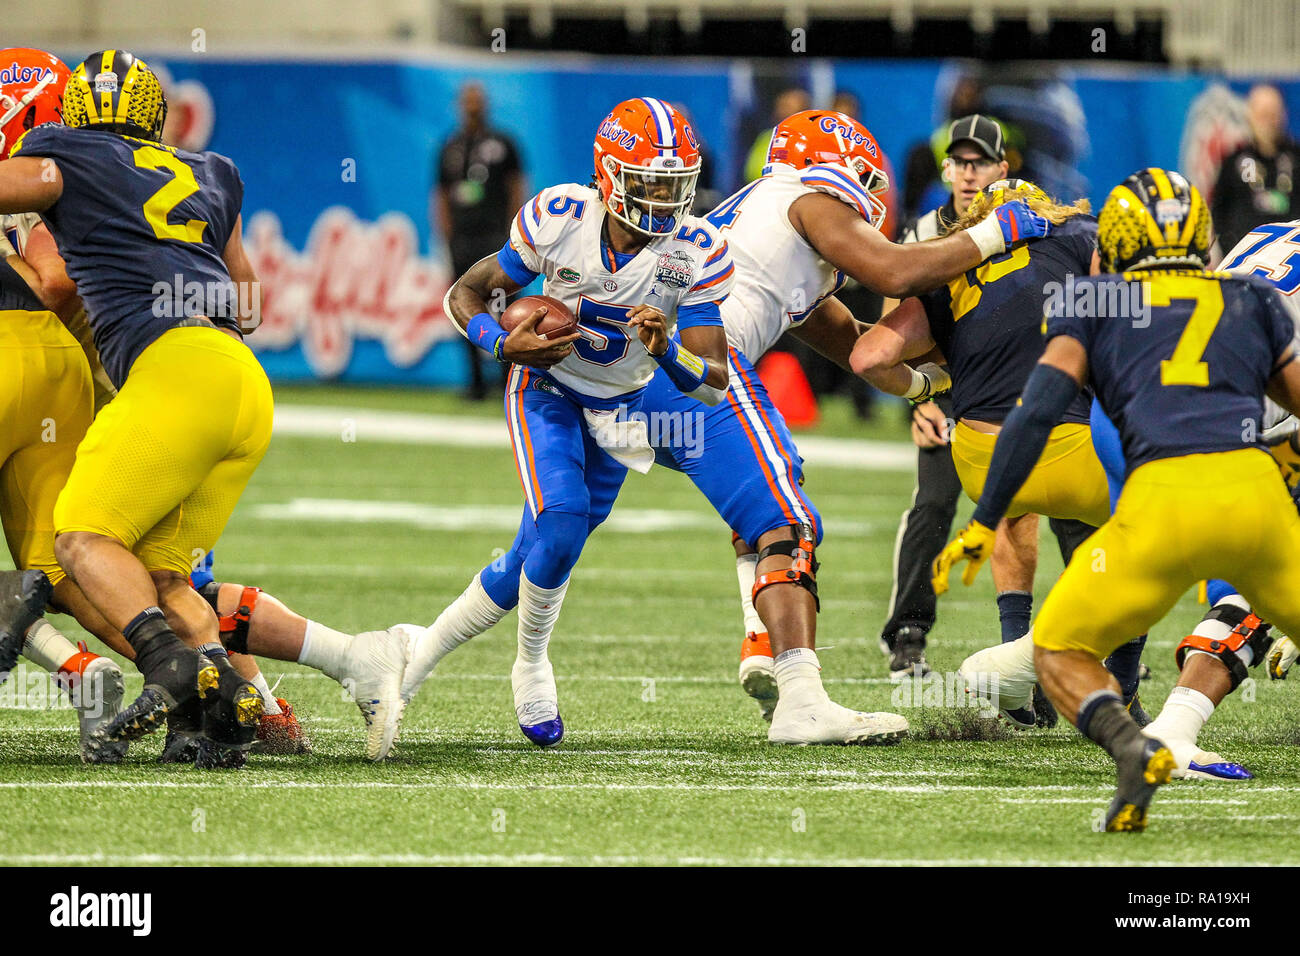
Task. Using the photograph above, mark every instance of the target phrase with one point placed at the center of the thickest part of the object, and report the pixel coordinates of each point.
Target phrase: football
(556, 323)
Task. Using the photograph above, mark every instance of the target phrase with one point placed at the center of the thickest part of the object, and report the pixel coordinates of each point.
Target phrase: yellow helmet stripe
(1193, 217)
(1164, 188)
(1140, 210)
(125, 95)
(105, 96)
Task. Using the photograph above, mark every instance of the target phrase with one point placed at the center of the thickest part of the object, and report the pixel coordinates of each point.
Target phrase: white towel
(627, 442)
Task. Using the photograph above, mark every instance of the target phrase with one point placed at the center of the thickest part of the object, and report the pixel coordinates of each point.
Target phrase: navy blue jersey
(989, 321)
(141, 227)
(15, 293)
(1186, 374)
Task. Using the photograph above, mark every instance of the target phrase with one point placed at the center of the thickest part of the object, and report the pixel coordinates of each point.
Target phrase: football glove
(974, 543)
(1281, 655)
(928, 380)
(1019, 222)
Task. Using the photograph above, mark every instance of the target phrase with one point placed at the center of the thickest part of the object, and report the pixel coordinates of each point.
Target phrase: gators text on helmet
(647, 161)
(115, 91)
(1153, 218)
(31, 92)
(819, 137)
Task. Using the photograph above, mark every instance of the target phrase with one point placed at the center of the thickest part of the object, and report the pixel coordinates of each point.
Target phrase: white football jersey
(558, 234)
(1272, 252)
(17, 227)
(781, 278)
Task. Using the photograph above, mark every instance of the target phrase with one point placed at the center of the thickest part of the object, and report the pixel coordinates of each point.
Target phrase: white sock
(746, 572)
(468, 616)
(45, 647)
(269, 706)
(325, 649)
(799, 676)
(539, 609)
(1182, 717)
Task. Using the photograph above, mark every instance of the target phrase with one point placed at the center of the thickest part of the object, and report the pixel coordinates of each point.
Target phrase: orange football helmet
(31, 93)
(824, 137)
(647, 161)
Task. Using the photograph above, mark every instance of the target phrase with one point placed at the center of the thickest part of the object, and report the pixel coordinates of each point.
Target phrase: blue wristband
(485, 332)
(684, 369)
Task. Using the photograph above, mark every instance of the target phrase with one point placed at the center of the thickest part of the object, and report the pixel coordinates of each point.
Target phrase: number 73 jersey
(1180, 366)
(685, 274)
(142, 228)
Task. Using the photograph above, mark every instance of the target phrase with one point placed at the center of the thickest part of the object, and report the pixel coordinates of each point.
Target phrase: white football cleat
(826, 722)
(97, 698)
(375, 664)
(1004, 675)
(537, 702)
(758, 672)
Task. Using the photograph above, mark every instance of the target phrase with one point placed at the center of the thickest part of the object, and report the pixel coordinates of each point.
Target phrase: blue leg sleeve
(560, 537)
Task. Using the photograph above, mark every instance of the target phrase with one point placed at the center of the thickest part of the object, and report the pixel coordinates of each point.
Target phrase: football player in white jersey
(628, 260)
(794, 234)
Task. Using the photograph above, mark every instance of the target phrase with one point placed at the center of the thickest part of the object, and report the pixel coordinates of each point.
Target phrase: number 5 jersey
(686, 274)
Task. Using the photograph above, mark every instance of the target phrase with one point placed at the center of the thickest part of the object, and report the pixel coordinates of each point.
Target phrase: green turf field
(665, 759)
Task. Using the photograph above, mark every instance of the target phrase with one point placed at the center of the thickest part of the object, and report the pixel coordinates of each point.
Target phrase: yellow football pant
(45, 409)
(1178, 521)
(1067, 482)
(164, 463)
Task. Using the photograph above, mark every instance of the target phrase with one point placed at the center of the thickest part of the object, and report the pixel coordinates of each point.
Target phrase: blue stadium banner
(337, 159)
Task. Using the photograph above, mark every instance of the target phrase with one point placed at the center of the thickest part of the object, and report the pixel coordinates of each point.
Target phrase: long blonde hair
(1005, 190)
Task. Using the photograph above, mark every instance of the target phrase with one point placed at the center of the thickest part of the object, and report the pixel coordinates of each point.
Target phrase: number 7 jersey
(686, 274)
(1185, 373)
(142, 228)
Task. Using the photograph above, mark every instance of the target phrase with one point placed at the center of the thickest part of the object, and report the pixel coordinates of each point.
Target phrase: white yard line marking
(376, 425)
(483, 518)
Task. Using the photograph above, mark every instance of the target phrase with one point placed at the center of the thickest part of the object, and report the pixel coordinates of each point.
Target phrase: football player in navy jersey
(141, 226)
(986, 325)
(1184, 380)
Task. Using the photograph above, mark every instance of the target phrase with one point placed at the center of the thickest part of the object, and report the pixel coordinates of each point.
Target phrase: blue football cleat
(1218, 770)
(546, 734)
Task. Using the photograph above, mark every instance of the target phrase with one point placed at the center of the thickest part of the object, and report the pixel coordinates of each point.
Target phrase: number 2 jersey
(687, 274)
(142, 228)
(1186, 374)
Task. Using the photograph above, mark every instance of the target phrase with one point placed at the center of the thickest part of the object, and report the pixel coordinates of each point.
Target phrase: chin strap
(803, 564)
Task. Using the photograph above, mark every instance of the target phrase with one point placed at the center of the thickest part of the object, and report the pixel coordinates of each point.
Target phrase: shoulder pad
(838, 182)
